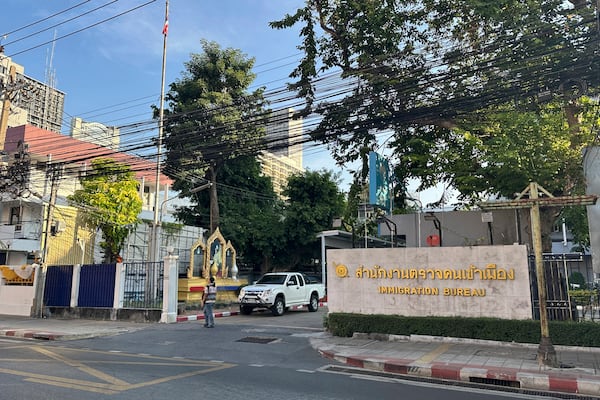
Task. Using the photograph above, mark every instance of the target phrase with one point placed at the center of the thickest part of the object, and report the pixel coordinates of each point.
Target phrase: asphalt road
(243, 357)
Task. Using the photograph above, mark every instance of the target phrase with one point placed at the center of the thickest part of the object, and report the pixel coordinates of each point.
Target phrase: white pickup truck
(278, 291)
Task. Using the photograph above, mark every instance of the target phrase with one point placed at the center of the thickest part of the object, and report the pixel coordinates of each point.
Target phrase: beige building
(278, 168)
(283, 156)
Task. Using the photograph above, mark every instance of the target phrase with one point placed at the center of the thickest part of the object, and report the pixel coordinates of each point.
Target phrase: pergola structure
(546, 354)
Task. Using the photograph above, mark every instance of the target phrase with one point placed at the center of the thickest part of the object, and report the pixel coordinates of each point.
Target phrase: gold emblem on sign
(341, 270)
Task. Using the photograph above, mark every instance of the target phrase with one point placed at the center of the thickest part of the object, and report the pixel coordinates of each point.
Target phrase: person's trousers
(209, 318)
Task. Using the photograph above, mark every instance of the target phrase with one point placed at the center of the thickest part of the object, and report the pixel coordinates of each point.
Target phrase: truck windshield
(272, 279)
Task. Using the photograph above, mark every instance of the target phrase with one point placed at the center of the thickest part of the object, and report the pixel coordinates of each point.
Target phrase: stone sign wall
(481, 281)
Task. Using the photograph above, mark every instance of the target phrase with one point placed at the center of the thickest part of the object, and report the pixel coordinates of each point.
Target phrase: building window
(15, 217)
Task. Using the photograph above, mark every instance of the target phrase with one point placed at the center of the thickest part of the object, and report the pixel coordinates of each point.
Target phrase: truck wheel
(246, 310)
(278, 307)
(314, 303)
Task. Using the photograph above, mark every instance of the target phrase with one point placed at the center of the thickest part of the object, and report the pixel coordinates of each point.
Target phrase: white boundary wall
(16, 300)
(481, 281)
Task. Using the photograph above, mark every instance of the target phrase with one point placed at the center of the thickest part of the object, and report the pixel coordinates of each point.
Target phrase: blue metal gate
(97, 285)
(57, 289)
(143, 285)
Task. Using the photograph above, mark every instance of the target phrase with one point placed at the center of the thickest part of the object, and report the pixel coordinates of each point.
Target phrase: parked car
(278, 291)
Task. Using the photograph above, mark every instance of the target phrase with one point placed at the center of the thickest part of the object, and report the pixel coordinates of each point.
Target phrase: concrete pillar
(170, 282)
(39, 281)
(75, 285)
(119, 286)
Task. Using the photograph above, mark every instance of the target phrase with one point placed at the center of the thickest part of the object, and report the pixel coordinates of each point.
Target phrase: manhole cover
(254, 339)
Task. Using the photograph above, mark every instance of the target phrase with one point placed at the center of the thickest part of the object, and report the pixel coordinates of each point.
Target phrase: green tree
(432, 74)
(111, 200)
(314, 200)
(212, 118)
(251, 212)
(505, 149)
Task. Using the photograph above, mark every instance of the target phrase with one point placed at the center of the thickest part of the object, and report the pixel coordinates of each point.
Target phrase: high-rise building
(284, 135)
(31, 101)
(283, 155)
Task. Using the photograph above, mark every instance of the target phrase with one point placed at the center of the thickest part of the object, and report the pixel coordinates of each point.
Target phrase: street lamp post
(162, 211)
(419, 212)
(191, 191)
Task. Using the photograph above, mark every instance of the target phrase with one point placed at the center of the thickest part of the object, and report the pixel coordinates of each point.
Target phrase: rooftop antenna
(50, 78)
(50, 82)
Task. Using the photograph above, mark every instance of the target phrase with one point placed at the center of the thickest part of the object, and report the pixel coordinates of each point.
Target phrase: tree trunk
(266, 265)
(548, 216)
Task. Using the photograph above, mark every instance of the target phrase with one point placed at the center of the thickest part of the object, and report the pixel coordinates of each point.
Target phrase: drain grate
(255, 339)
(497, 382)
(498, 385)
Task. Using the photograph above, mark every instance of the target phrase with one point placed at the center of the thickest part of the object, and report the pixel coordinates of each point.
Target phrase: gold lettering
(409, 291)
(490, 271)
(464, 292)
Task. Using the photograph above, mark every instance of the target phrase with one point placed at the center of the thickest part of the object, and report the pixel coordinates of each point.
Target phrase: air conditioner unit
(57, 227)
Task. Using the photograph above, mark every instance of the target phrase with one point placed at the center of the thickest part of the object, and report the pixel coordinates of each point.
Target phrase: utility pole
(54, 173)
(8, 91)
(546, 354)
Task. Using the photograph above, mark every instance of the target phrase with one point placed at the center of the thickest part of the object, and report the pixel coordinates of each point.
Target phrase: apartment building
(32, 102)
(283, 155)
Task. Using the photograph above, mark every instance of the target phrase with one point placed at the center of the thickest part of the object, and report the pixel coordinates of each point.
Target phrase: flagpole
(155, 255)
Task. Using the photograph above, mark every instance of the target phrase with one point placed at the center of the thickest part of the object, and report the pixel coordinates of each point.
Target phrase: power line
(84, 28)
(44, 19)
(60, 23)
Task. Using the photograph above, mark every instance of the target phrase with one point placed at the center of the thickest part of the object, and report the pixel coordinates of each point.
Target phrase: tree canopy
(212, 118)
(112, 204)
(418, 69)
(480, 96)
(313, 201)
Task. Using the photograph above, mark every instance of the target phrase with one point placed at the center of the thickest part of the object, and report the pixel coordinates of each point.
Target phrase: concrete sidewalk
(476, 361)
(63, 329)
(499, 363)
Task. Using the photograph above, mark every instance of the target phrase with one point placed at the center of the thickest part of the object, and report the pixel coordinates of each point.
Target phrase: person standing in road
(209, 296)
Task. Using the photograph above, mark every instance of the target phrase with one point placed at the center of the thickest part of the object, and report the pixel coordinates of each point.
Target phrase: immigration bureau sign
(481, 281)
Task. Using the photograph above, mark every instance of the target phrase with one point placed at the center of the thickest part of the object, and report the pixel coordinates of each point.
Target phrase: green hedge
(566, 333)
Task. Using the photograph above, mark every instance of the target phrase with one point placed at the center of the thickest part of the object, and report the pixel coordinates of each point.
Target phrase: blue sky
(120, 60)
(111, 72)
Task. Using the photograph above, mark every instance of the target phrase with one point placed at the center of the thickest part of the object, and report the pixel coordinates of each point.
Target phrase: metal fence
(96, 285)
(57, 288)
(556, 272)
(143, 285)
